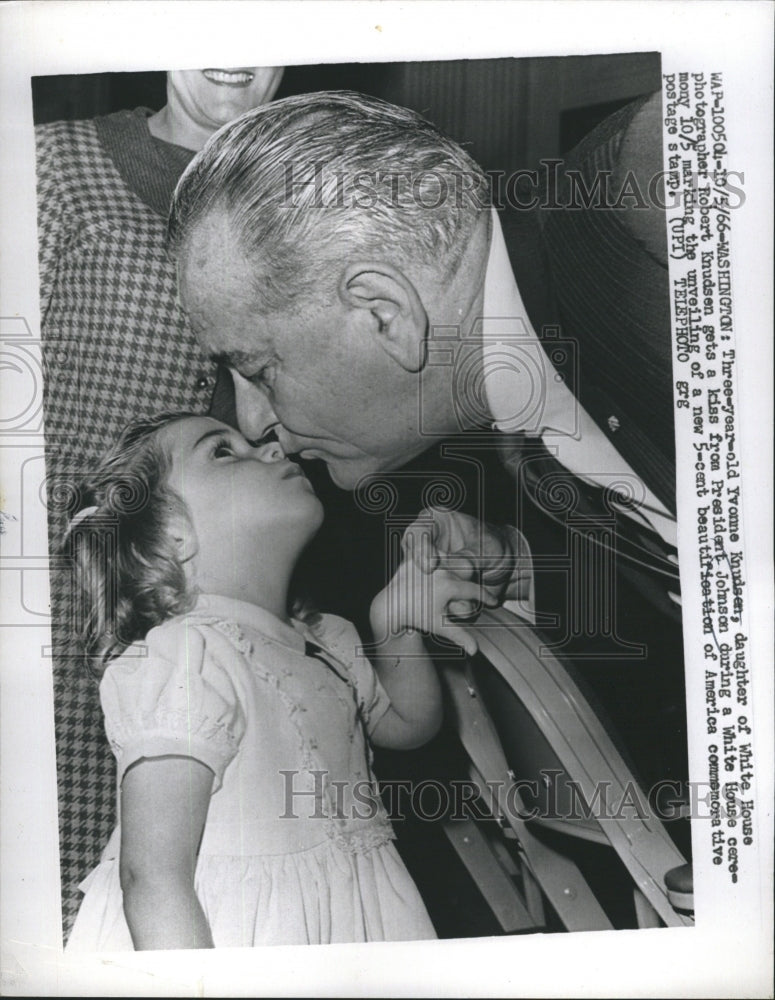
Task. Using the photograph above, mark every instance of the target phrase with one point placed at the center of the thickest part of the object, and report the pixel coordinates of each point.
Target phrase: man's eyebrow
(233, 359)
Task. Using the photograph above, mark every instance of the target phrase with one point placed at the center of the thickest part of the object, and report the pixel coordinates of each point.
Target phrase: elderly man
(343, 259)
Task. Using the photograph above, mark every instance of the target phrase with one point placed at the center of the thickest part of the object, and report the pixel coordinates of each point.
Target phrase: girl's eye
(222, 449)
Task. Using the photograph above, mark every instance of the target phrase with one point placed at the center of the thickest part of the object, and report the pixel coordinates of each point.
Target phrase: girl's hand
(417, 600)
(471, 549)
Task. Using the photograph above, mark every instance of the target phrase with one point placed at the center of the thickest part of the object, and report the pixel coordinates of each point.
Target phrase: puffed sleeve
(341, 637)
(172, 695)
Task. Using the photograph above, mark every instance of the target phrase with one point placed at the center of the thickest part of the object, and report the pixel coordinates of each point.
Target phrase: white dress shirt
(526, 393)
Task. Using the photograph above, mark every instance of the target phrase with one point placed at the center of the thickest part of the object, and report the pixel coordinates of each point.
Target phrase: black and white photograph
(386, 474)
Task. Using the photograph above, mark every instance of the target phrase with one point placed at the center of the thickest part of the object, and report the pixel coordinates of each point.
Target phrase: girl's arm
(415, 602)
(164, 803)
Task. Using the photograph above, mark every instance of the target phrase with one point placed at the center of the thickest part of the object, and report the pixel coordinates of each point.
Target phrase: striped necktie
(642, 555)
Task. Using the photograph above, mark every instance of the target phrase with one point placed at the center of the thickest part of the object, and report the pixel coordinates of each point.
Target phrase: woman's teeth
(232, 78)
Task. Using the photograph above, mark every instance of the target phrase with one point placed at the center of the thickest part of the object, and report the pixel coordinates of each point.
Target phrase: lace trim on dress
(232, 631)
(363, 839)
(364, 714)
(173, 721)
(351, 836)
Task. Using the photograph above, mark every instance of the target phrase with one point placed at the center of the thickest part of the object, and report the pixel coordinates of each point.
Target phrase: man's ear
(400, 321)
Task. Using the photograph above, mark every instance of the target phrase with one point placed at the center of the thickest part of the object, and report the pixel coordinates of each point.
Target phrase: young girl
(248, 812)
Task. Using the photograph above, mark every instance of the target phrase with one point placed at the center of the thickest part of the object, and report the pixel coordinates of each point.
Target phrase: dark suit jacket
(600, 274)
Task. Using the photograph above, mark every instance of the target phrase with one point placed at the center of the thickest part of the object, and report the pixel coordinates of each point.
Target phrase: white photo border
(730, 956)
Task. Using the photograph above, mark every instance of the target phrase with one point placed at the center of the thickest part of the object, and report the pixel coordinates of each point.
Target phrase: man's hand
(471, 550)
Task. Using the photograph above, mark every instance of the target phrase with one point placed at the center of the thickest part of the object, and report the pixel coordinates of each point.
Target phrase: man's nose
(255, 415)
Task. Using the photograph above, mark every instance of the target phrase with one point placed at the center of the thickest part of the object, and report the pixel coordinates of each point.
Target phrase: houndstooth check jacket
(116, 346)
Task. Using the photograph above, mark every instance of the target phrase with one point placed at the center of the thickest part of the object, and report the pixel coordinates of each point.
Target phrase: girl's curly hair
(129, 574)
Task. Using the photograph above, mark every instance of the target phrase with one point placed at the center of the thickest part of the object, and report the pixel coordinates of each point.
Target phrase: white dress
(297, 847)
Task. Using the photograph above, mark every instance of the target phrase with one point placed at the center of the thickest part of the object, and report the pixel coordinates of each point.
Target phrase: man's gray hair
(308, 181)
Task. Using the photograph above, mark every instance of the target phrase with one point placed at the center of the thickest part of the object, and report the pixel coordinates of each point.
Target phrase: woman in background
(116, 344)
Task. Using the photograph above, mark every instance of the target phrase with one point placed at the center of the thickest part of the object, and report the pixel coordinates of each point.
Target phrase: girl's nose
(271, 451)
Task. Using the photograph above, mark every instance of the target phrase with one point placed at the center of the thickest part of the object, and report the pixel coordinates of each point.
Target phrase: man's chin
(345, 478)
(348, 474)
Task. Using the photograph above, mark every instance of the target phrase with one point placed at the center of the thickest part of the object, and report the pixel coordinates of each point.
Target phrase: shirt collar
(524, 391)
(253, 617)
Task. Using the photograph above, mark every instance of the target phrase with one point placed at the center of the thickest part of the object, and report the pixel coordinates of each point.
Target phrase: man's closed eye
(264, 377)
